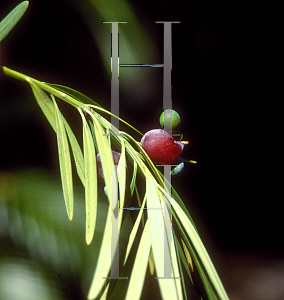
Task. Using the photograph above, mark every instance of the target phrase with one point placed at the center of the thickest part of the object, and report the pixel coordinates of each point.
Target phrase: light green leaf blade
(64, 162)
(176, 197)
(207, 291)
(133, 180)
(175, 267)
(104, 260)
(111, 114)
(201, 252)
(174, 261)
(91, 189)
(104, 295)
(180, 257)
(111, 181)
(75, 94)
(122, 180)
(7, 24)
(134, 230)
(156, 224)
(47, 107)
(45, 103)
(77, 153)
(104, 147)
(140, 266)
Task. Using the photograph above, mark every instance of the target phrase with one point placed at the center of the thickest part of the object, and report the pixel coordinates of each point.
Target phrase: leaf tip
(70, 216)
(89, 239)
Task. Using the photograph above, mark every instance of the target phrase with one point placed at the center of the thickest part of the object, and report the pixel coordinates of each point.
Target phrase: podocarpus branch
(99, 134)
(155, 193)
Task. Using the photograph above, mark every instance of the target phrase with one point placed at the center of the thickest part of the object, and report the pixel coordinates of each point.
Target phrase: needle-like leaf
(7, 24)
(156, 224)
(73, 93)
(133, 180)
(200, 249)
(104, 260)
(110, 175)
(64, 161)
(134, 230)
(121, 170)
(140, 266)
(47, 107)
(187, 255)
(180, 257)
(91, 190)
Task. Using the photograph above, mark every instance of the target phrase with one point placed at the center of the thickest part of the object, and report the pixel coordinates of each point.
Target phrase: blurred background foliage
(43, 254)
(224, 88)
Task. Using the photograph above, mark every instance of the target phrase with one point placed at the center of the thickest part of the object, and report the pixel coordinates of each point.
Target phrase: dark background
(224, 85)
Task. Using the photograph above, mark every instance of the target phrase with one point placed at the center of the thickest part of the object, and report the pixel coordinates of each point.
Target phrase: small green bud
(170, 118)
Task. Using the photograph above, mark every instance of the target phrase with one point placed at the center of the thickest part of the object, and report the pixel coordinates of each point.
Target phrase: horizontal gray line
(141, 65)
(167, 21)
(138, 208)
(115, 22)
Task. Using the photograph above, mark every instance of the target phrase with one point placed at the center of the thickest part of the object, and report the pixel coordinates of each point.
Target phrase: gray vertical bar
(115, 234)
(167, 104)
(167, 82)
(167, 88)
(114, 75)
(115, 131)
(168, 224)
(114, 238)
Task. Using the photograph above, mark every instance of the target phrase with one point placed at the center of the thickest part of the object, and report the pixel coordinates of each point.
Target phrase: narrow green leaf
(133, 180)
(55, 92)
(75, 94)
(140, 266)
(91, 190)
(47, 107)
(168, 287)
(134, 230)
(64, 162)
(151, 263)
(207, 292)
(7, 24)
(111, 114)
(176, 197)
(179, 254)
(187, 255)
(108, 134)
(45, 103)
(175, 268)
(111, 181)
(104, 260)
(174, 261)
(77, 153)
(104, 148)
(121, 170)
(104, 295)
(201, 251)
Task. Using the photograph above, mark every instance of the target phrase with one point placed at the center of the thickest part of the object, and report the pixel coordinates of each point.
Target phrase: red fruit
(116, 157)
(161, 147)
